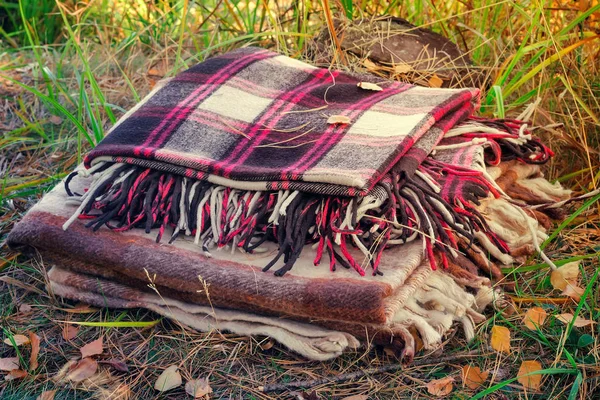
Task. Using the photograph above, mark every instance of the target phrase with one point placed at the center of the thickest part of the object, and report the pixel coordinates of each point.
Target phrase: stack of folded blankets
(256, 194)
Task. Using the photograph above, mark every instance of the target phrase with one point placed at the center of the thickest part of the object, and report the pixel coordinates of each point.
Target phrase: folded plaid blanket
(251, 159)
(252, 146)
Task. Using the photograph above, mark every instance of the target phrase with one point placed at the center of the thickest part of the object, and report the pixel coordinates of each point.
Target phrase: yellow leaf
(573, 291)
(440, 387)
(169, 379)
(402, 68)
(564, 275)
(369, 86)
(435, 81)
(533, 381)
(500, 339)
(473, 377)
(338, 119)
(92, 348)
(535, 318)
(566, 319)
(371, 66)
(19, 340)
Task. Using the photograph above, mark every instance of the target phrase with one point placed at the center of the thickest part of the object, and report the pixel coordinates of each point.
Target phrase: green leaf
(585, 340)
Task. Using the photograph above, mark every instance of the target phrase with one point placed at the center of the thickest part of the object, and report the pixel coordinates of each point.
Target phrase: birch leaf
(35, 350)
(435, 81)
(82, 370)
(573, 291)
(566, 319)
(533, 381)
(92, 348)
(198, 388)
(369, 86)
(15, 374)
(338, 119)
(19, 340)
(564, 275)
(169, 379)
(473, 377)
(9, 363)
(440, 387)
(47, 395)
(535, 318)
(70, 331)
(500, 339)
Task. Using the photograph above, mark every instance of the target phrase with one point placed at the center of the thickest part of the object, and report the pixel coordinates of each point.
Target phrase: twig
(279, 387)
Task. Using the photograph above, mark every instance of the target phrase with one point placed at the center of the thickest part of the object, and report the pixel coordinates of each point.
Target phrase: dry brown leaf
(500, 339)
(119, 365)
(25, 308)
(83, 370)
(169, 379)
(19, 340)
(473, 377)
(47, 395)
(440, 387)
(573, 291)
(70, 331)
(92, 348)
(369, 86)
(9, 363)
(564, 275)
(357, 397)
(535, 318)
(533, 381)
(566, 319)
(402, 68)
(198, 388)
(338, 119)
(55, 119)
(435, 81)
(35, 350)
(15, 374)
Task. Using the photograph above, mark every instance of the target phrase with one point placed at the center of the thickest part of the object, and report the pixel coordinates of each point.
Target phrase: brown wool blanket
(236, 162)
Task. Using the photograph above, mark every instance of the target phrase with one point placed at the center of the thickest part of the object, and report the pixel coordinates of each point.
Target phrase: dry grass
(112, 55)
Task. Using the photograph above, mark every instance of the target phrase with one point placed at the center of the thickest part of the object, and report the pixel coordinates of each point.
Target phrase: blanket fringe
(399, 209)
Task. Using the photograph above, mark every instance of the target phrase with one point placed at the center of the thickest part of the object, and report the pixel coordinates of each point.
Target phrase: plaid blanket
(252, 146)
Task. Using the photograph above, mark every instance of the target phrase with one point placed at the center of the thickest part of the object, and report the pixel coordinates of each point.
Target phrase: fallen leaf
(500, 339)
(47, 395)
(338, 119)
(70, 331)
(566, 319)
(564, 275)
(198, 388)
(82, 370)
(369, 86)
(55, 119)
(435, 81)
(9, 363)
(440, 387)
(35, 350)
(573, 291)
(25, 308)
(402, 68)
(15, 374)
(371, 66)
(19, 340)
(533, 381)
(473, 377)
(119, 365)
(60, 376)
(535, 318)
(357, 397)
(92, 348)
(169, 379)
